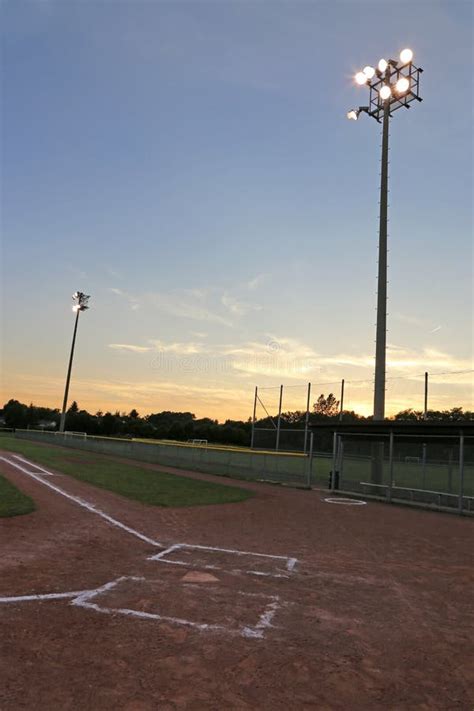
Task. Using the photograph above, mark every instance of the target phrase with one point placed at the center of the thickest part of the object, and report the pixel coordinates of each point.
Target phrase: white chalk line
(345, 502)
(45, 596)
(86, 505)
(45, 472)
(83, 598)
(160, 557)
(290, 562)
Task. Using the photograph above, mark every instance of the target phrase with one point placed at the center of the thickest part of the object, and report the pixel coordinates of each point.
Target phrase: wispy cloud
(189, 348)
(132, 300)
(237, 307)
(129, 347)
(181, 303)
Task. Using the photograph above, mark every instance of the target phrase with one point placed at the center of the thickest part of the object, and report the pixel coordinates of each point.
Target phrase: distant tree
(133, 414)
(16, 414)
(409, 415)
(326, 406)
(293, 418)
(110, 424)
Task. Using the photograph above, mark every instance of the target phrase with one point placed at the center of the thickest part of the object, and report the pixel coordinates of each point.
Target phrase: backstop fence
(281, 413)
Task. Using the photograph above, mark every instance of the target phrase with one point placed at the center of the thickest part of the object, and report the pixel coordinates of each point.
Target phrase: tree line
(183, 426)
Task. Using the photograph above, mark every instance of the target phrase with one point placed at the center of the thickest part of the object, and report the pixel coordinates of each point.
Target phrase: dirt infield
(282, 601)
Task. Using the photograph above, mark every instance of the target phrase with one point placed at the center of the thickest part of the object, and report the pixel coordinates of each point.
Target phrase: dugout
(420, 462)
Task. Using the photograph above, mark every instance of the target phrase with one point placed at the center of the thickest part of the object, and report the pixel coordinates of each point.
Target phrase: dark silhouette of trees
(183, 426)
(326, 406)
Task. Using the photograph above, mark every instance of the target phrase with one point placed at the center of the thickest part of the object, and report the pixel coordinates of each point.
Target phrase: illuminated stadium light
(392, 86)
(406, 55)
(80, 303)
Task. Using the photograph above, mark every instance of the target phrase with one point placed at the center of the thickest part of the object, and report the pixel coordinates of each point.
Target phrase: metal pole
(340, 460)
(341, 406)
(306, 421)
(381, 334)
(425, 409)
(461, 471)
(334, 459)
(68, 377)
(279, 419)
(425, 417)
(252, 438)
(310, 460)
(390, 466)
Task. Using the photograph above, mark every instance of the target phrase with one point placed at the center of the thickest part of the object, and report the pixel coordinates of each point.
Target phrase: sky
(190, 166)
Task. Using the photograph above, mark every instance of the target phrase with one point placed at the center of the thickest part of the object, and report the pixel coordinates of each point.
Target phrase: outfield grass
(12, 501)
(132, 481)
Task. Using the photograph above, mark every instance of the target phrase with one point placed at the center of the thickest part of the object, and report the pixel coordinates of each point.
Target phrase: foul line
(290, 562)
(85, 504)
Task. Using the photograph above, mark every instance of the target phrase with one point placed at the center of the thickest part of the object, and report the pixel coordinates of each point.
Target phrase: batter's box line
(161, 558)
(83, 599)
(256, 631)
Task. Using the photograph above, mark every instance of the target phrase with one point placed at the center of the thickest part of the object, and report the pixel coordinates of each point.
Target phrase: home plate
(194, 576)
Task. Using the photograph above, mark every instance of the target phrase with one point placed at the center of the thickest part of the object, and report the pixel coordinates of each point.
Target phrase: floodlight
(80, 304)
(402, 85)
(394, 85)
(406, 55)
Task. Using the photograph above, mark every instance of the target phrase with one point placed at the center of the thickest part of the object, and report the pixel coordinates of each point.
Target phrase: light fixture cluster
(392, 81)
(80, 300)
(401, 86)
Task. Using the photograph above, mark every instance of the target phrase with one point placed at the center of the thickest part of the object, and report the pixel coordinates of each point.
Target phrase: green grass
(12, 501)
(129, 480)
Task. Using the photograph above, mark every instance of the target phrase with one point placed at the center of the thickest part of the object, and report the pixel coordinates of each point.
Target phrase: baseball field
(134, 586)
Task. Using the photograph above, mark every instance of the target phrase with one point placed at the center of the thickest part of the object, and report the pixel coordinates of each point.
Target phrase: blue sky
(189, 164)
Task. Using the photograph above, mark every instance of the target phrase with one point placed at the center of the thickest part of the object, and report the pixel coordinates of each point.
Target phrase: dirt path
(375, 614)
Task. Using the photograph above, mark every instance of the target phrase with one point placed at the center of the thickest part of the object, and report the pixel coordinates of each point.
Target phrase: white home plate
(194, 576)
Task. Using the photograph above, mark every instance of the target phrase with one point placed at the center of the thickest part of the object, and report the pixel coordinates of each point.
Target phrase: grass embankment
(12, 501)
(132, 481)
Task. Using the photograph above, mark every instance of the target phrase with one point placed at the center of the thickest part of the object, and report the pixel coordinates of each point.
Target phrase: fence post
(306, 421)
(334, 460)
(425, 417)
(310, 460)
(252, 439)
(340, 461)
(341, 405)
(461, 471)
(390, 467)
(277, 444)
(425, 408)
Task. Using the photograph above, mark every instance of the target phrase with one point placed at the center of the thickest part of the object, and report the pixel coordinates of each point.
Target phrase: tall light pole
(80, 304)
(393, 84)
